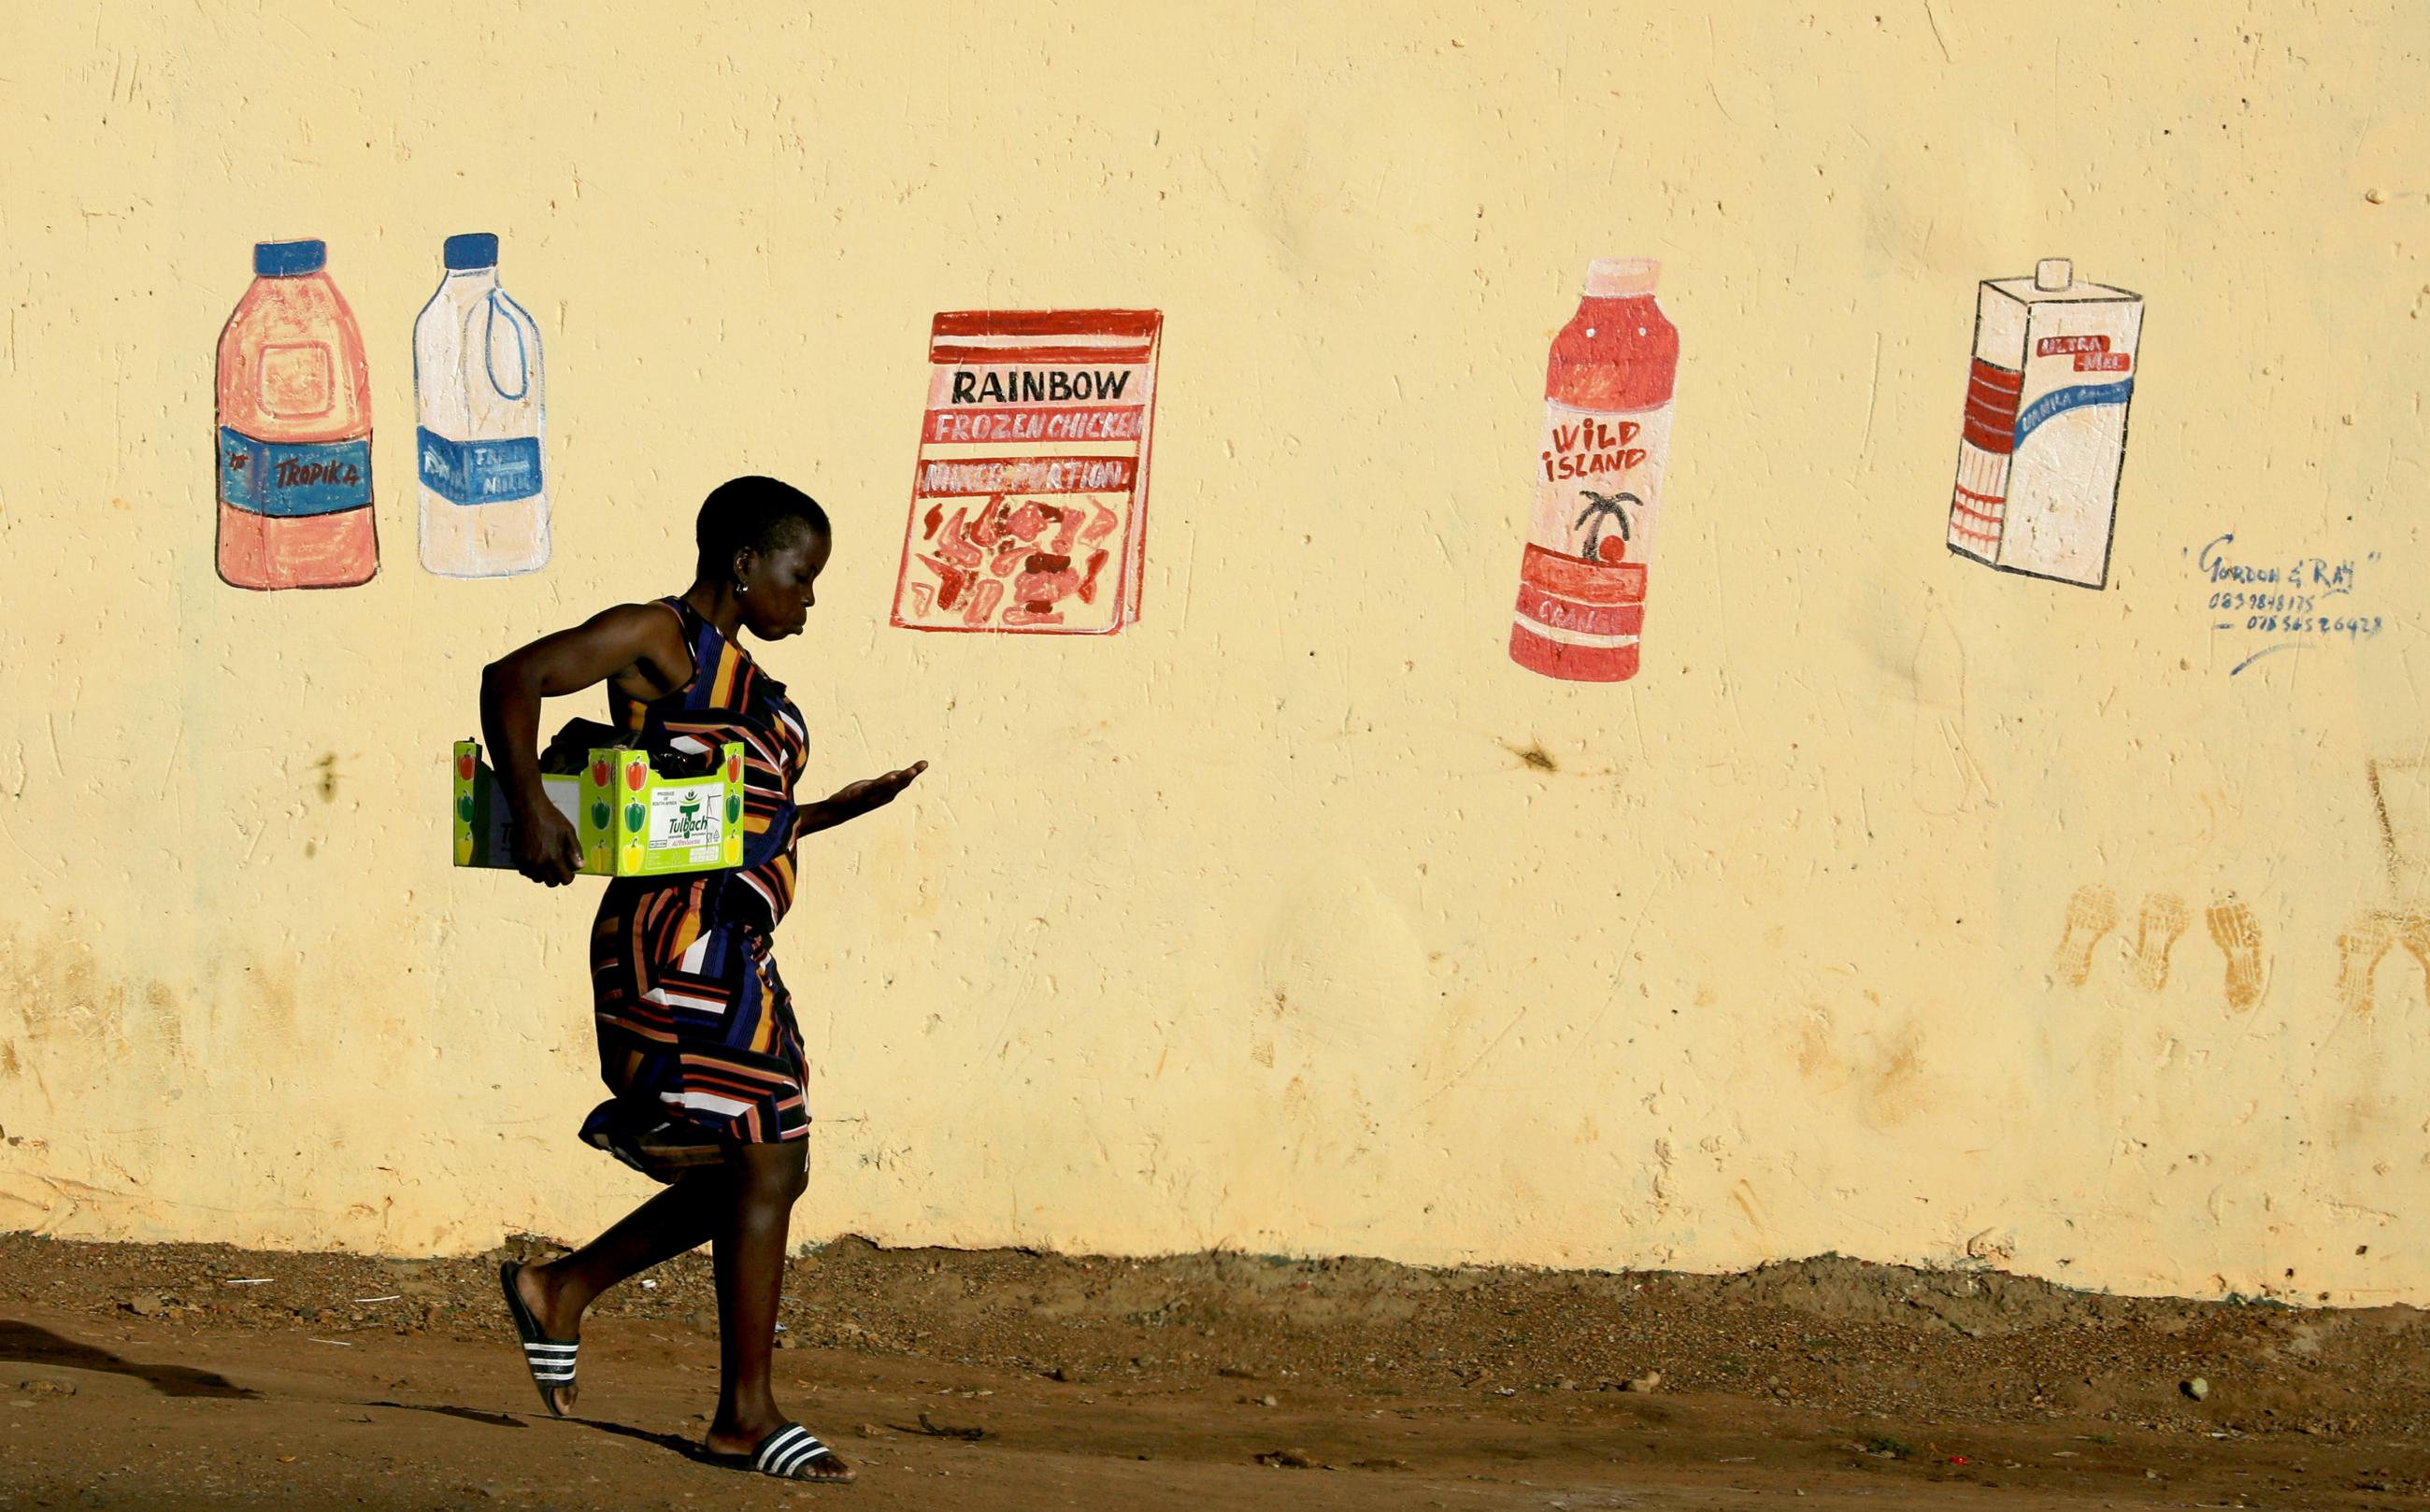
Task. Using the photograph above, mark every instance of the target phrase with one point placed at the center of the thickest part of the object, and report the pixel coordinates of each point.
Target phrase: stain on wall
(2159, 925)
(2091, 914)
(1945, 771)
(2400, 798)
(2238, 933)
(2360, 949)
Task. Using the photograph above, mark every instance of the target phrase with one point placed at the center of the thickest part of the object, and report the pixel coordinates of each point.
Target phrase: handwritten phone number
(2263, 603)
(2360, 627)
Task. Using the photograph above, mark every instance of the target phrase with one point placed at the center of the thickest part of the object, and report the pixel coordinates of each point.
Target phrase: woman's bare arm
(855, 799)
(639, 646)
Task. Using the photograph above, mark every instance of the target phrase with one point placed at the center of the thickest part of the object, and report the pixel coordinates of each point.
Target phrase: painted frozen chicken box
(1029, 504)
(2045, 433)
(632, 820)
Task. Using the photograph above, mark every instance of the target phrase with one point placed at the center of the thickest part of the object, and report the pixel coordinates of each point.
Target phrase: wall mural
(1607, 435)
(2045, 431)
(1029, 504)
(480, 409)
(293, 457)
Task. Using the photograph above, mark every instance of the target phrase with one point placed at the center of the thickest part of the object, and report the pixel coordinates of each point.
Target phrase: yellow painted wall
(1251, 926)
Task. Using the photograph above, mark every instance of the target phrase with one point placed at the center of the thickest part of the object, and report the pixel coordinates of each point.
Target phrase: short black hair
(755, 513)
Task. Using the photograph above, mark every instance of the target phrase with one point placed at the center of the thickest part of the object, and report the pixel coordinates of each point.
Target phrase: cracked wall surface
(1898, 907)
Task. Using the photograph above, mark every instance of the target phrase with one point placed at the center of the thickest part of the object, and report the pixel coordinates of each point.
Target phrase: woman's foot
(545, 1293)
(545, 1296)
(784, 1450)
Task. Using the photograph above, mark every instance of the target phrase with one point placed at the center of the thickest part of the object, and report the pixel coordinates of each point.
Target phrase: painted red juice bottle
(294, 430)
(1598, 480)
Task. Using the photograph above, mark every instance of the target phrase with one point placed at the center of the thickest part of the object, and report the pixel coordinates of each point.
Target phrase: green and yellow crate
(632, 820)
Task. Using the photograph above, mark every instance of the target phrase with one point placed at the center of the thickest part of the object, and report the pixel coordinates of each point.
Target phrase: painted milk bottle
(294, 413)
(477, 386)
(1598, 480)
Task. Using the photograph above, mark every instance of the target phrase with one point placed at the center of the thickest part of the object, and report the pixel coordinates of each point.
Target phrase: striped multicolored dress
(694, 1023)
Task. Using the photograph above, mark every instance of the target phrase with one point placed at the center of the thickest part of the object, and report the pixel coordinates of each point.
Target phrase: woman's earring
(742, 587)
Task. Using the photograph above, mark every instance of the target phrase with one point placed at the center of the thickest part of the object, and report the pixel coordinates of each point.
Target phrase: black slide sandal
(550, 1360)
(784, 1454)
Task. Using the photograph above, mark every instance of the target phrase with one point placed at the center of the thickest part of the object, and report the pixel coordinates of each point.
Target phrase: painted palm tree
(1592, 517)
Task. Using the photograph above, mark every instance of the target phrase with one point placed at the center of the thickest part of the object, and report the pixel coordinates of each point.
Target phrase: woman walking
(697, 1041)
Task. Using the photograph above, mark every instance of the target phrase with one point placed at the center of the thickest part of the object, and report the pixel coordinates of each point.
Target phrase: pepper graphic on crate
(684, 798)
(1607, 435)
(294, 459)
(2045, 432)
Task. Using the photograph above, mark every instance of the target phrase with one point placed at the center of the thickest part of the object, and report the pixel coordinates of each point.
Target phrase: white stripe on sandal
(551, 1364)
(788, 1449)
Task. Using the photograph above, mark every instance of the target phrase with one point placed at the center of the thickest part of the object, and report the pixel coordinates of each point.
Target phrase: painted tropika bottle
(295, 423)
(1599, 467)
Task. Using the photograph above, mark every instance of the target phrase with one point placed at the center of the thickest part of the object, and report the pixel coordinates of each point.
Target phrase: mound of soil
(1971, 1346)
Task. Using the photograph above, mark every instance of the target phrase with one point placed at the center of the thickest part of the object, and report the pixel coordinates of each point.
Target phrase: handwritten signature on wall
(2298, 605)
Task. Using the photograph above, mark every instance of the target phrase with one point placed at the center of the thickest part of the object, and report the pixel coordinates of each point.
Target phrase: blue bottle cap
(285, 259)
(473, 249)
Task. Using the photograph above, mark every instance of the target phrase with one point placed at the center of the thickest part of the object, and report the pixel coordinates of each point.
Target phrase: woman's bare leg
(686, 1216)
(750, 1252)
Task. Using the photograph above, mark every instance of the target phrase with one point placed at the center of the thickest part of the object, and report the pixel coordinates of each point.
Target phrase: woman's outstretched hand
(856, 798)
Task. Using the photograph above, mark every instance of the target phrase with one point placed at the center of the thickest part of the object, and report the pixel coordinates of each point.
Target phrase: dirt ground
(200, 1376)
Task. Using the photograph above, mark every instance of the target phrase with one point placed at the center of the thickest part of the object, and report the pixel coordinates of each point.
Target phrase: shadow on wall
(29, 1345)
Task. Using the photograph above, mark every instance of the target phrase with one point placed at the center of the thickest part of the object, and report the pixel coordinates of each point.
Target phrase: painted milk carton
(632, 820)
(2045, 430)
